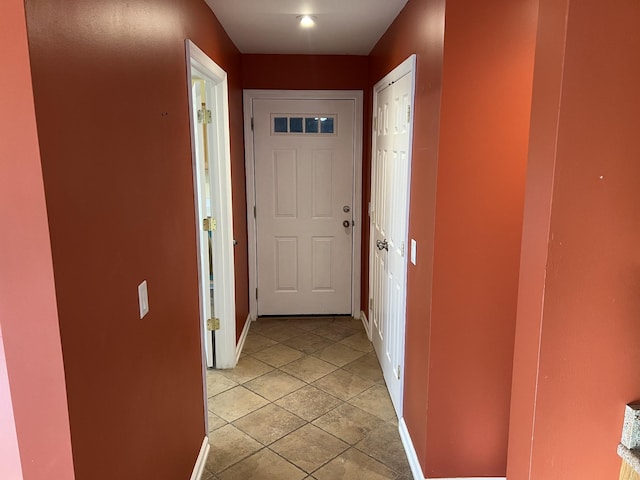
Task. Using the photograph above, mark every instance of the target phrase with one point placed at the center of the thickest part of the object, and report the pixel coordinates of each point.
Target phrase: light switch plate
(414, 248)
(143, 299)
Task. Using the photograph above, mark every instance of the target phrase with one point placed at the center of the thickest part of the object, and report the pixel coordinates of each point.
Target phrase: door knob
(382, 245)
(346, 224)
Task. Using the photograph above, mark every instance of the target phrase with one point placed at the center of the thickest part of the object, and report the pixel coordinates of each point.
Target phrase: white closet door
(389, 227)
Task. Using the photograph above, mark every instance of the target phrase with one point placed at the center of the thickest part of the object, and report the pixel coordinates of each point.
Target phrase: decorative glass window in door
(308, 124)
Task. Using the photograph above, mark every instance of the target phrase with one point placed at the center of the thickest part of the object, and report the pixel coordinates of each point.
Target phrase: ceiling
(343, 27)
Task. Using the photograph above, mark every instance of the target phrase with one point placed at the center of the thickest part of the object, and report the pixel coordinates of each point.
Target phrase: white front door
(390, 176)
(304, 168)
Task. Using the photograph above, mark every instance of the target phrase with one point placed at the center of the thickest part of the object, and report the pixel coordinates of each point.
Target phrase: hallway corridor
(306, 401)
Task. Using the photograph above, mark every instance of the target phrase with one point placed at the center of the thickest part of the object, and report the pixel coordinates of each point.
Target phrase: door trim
(356, 96)
(225, 338)
(408, 66)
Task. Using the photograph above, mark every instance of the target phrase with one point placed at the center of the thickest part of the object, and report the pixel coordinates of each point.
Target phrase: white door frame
(406, 67)
(356, 96)
(220, 158)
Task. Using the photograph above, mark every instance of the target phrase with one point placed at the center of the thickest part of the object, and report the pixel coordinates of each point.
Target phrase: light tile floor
(306, 401)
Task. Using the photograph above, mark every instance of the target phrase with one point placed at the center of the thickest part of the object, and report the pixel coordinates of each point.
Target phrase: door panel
(286, 264)
(286, 184)
(322, 185)
(322, 259)
(304, 162)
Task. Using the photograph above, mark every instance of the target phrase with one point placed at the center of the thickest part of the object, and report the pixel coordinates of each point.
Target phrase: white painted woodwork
(342, 27)
(302, 182)
(390, 177)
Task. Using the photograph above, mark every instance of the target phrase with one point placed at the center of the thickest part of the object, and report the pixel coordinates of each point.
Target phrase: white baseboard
(365, 322)
(412, 457)
(198, 469)
(243, 337)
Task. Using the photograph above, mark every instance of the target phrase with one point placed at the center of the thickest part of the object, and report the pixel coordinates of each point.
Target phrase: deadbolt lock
(346, 209)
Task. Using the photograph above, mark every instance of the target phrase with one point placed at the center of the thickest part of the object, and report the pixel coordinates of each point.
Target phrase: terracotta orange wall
(110, 90)
(10, 466)
(535, 234)
(587, 349)
(37, 408)
(320, 72)
(484, 133)
(418, 29)
(469, 157)
(304, 72)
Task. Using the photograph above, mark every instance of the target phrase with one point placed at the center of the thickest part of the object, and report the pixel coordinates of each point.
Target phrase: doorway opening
(392, 139)
(303, 154)
(210, 146)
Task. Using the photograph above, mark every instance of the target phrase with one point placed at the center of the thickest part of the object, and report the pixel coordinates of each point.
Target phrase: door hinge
(402, 249)
(213, 324)
(254, 211)
(256, 293)
(204, 116)
(209, 224)
(252, 124)
(408, 113)
(398, 372)
(371, 304)
(375, 123)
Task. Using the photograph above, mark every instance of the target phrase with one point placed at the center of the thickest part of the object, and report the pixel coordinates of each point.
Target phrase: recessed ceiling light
(306, 21)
